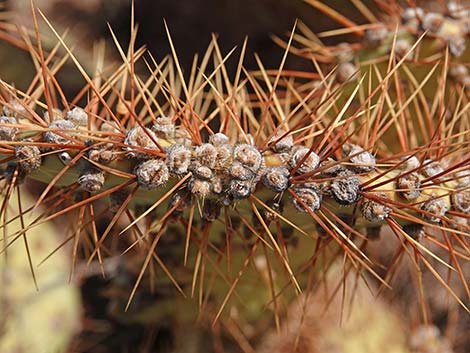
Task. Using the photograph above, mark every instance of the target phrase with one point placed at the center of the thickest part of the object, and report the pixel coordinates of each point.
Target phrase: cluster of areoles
(434, 207)
(222, 171)
(452, 28)
(28, 156)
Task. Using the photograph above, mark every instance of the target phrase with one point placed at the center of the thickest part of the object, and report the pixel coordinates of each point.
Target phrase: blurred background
(191, 24)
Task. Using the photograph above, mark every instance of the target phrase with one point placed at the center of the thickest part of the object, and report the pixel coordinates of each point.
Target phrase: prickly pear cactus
(39, 320)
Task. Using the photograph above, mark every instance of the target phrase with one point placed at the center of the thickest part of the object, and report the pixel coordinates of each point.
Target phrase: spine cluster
(443, 31)
(224, 172)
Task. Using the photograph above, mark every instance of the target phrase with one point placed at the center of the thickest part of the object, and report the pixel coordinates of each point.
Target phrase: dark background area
(191, 23)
